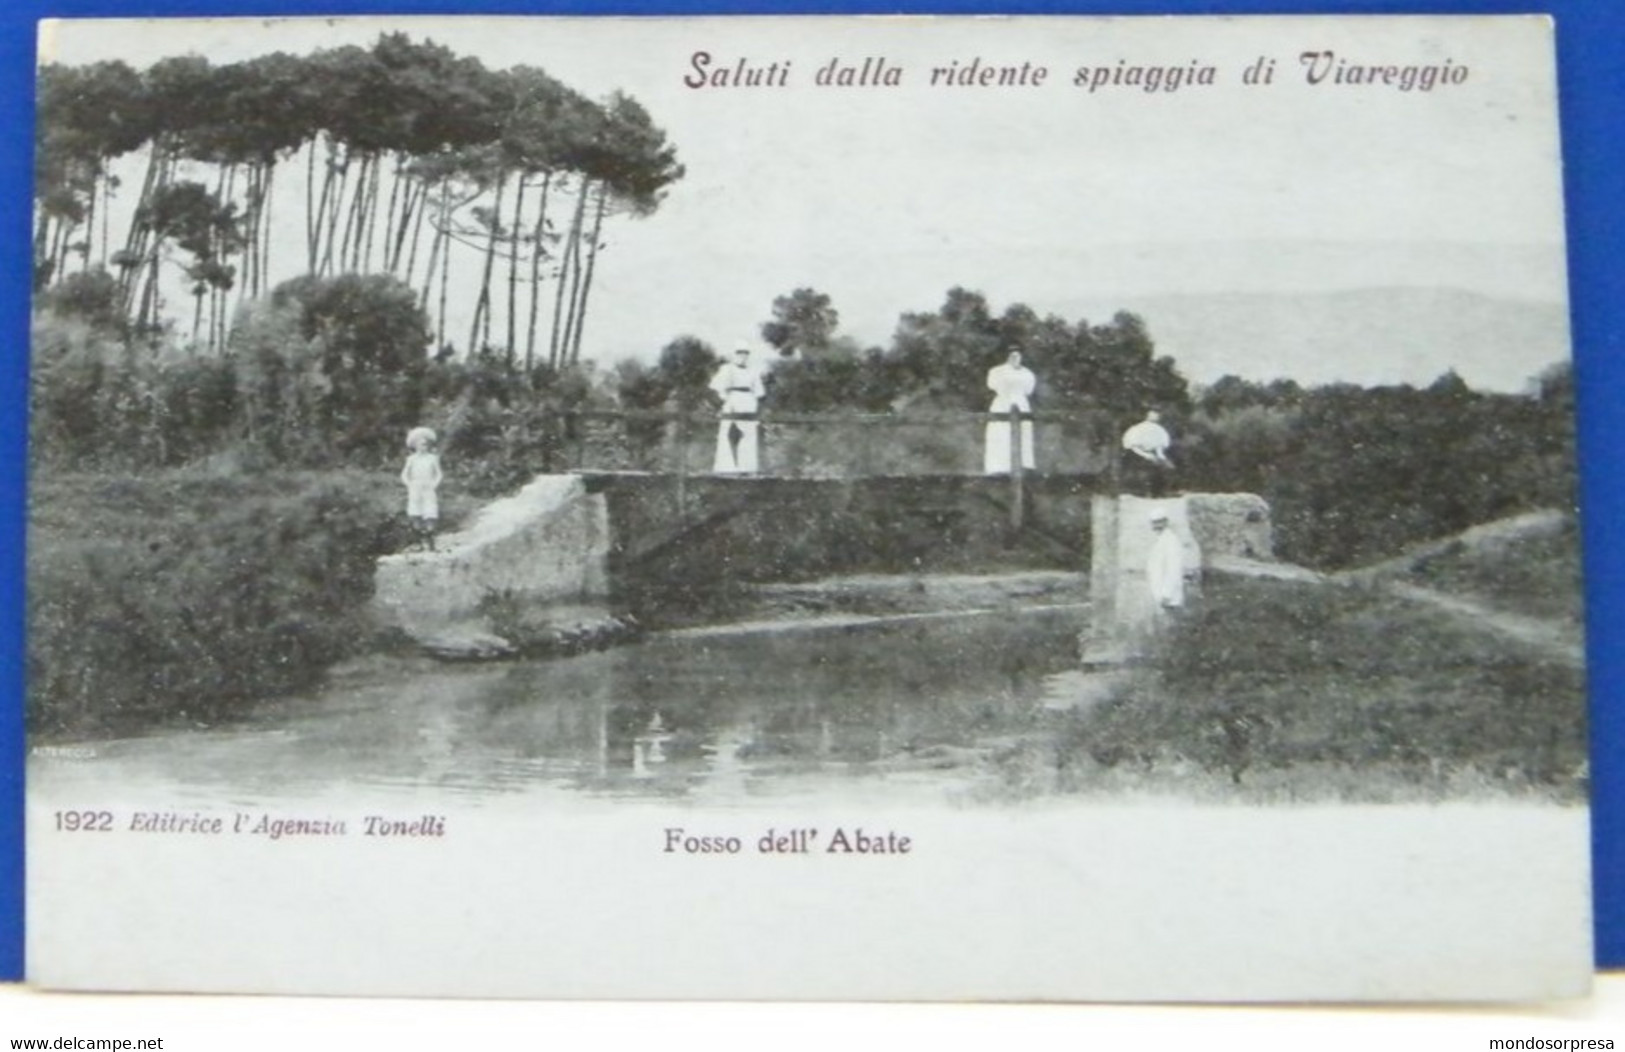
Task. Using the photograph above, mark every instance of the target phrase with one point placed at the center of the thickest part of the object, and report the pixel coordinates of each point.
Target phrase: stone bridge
(575, 549)
(639, 542)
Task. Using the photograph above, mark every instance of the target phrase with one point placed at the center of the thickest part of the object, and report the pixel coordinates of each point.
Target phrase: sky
(1054, 195)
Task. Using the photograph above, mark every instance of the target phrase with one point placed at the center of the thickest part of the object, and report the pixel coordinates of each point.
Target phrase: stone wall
(547, 545)
(755, 530)
(1231, 524)
(569, 551)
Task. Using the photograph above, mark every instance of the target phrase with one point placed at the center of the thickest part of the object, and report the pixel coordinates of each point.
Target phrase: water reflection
(707, 716)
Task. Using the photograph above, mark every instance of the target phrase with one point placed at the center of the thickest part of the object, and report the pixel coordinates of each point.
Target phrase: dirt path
(1552, 638)
(1489, 534)
(1556, 639)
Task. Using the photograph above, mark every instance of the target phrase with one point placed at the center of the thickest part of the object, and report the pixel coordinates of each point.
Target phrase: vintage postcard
(1035, 508)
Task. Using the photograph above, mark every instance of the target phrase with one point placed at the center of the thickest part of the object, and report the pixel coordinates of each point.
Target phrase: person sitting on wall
(1146, 468)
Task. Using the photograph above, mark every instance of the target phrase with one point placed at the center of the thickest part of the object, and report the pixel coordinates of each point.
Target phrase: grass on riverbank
(1534, 572)
(1325, 689)
(183, 595)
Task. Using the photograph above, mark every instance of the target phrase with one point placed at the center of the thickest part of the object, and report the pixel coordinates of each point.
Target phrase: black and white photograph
(804, 508)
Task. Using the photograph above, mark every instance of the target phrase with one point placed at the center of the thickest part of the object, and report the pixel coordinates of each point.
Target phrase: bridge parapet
(834, 444)
(731, 530)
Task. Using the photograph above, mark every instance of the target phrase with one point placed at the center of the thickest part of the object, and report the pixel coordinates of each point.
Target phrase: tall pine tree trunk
(482, 308)
(262, 270)
(332, 198)
(107, 207)
(42, 239)
(135, 239)
(592, 262)
(391, 239)
(59, 243)
(536, 252)
(352, 216)
(434, 251)
(445, 280)
(313, 223)
(513, 269)
(567, 348)
(419, 209)
(149, 294)
(403, 248)
(90, 215)
(251, 227)
(369, 217)
(557, 345)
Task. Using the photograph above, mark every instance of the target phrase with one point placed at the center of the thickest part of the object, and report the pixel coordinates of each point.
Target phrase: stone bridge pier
(568, 556)
(1215, 530)
(545, 547)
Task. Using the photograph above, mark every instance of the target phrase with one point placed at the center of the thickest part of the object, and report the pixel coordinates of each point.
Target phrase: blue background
(1591, 70)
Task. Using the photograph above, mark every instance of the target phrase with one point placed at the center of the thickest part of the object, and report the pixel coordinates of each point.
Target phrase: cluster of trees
(406, 151)
(936, 360)
(319, 373)
(1356, 474)
(331, 371)
(327, 372)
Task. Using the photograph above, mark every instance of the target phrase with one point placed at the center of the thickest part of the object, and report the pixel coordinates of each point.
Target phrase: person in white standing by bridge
(739, 384)
(422, 478)
(1165, 568)
(1012, 385)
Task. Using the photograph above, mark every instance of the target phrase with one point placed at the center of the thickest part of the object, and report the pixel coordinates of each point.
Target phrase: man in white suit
(1165, 565)
(739, 384)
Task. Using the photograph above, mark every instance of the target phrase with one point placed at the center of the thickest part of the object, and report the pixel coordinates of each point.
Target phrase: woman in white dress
(1012, 385)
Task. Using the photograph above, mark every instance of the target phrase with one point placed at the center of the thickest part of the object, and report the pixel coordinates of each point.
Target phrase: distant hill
(1364, 336)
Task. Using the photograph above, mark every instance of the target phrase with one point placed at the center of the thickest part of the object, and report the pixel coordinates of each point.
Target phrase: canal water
(901, 709)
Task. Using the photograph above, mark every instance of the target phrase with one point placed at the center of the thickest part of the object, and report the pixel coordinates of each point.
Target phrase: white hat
(419, 436)
(1159, 516)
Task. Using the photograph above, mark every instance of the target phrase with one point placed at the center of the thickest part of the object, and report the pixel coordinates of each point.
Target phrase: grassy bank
(1334, 691)
(181, 596)
(1536, 573)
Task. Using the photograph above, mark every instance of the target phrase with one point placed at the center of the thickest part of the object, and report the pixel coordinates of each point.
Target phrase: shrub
(190, 621)
(96, 402)
(334, 368)
(1358, 474)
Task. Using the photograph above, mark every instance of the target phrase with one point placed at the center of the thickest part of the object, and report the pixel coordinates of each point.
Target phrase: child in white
(422, 476)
